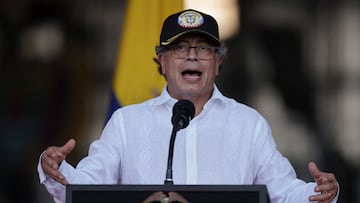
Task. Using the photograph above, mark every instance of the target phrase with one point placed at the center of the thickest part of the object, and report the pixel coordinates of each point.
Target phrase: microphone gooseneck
(183, 112)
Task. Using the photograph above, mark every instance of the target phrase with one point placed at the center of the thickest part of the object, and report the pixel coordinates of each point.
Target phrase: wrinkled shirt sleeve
(56, 189)
(276, 172)
(101, 166)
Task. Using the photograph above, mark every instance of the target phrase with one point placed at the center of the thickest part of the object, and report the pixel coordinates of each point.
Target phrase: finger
(319, 176)
(327, 192)
(326, 182)
(320, 197)
(326, 196)
(331, 177)
(47, 161)
(59, 153)
(60, 179)
(53, 153)
(54, 174)
(314, 170)
(68, 147)
(49, 166)
(331, 188)
(325, 187)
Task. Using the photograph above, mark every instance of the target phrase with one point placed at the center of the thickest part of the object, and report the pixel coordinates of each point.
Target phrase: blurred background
(297, 62)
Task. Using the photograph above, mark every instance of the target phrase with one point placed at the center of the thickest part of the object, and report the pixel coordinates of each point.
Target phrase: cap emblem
(190, 19)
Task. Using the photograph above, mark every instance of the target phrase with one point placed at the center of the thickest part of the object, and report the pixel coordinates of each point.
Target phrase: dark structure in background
(279, 39)
(46, 74)
(56, 62)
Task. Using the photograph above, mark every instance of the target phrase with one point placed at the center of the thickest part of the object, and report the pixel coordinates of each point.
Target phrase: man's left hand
(326, 185)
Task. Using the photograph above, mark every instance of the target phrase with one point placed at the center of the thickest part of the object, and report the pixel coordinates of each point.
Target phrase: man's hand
(52, 157)
(326, 185)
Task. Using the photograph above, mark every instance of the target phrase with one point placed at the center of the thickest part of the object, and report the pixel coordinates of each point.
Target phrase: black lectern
(166, 193)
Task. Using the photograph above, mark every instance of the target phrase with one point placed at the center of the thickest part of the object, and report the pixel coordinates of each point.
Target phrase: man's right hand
(52, 157)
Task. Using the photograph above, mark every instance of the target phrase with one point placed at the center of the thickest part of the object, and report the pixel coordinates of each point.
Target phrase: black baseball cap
(189, 21)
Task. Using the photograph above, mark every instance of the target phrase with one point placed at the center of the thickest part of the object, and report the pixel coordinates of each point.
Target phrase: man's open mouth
(191, 73)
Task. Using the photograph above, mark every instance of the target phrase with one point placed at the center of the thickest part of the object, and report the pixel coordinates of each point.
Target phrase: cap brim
(174, 38)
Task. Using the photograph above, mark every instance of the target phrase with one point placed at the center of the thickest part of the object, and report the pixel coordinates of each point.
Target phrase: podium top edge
(166, 187)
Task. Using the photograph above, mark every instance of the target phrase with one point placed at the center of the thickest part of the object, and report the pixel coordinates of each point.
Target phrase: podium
(166, 193)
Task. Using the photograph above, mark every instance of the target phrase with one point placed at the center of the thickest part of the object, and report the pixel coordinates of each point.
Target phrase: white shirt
(227, 143)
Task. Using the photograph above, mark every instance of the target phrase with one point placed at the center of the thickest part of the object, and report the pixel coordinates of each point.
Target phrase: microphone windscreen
(183, 112)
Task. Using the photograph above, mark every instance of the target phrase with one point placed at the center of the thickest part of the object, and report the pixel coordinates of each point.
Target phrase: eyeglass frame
(221, 52)
(203, 52)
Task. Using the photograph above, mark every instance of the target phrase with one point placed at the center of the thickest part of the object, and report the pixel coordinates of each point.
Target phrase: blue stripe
(114, 104)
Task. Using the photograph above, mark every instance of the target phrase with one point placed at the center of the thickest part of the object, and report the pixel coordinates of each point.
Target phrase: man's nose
(192, 53)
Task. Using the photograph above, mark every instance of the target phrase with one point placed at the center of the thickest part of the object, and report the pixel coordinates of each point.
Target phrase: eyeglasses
(204, 52)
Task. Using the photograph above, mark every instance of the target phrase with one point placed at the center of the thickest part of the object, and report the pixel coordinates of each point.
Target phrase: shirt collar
(165, 97)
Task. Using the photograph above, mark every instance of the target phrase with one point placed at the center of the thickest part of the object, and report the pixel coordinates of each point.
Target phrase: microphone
(183, 112)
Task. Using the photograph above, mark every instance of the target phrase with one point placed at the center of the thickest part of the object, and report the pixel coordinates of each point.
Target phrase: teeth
(191, 73)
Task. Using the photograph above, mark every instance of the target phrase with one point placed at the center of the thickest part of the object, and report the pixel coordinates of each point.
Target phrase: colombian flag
(136, 77)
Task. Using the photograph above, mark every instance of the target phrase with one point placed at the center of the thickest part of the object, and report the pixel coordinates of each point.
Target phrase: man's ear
(219, 61)
(160, 60)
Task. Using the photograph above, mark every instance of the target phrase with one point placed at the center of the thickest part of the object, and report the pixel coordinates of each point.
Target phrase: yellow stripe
(136, 76)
